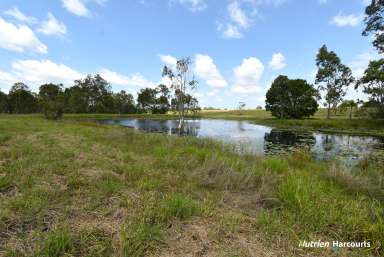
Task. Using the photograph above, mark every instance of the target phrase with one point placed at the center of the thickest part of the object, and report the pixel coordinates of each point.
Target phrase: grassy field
(73, 188)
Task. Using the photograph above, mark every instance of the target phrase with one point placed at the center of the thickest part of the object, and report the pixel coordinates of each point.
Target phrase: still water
(257, 139)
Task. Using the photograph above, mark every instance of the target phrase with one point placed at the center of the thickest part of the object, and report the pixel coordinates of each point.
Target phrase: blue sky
(238, 46)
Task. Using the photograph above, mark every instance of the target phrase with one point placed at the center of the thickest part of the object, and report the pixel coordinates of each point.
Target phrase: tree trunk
(329, 111)
(350, 113)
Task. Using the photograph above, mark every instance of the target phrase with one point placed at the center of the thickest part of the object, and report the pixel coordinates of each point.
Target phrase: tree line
(297, 99)
(93, 94)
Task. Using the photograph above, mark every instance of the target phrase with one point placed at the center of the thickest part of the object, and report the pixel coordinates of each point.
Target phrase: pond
(248, 137)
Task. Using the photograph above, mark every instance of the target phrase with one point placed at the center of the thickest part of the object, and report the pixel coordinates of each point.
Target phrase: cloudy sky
(237, 46)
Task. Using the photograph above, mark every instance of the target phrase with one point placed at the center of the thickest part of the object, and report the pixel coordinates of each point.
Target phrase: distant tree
(21, 99)
(162, 101)
(192, 105)
(241, 106)
(287, 99)
(348, 105)
(75, 100)
(146, 99)
(124, 103)
(259, 107)
(332, 77)
(373, 84)
(181, 82)
(374, 21)
(95, 95)
(51, 99)
(3, 102)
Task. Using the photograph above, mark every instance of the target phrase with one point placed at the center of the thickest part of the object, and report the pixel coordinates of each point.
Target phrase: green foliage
(95, 95)
(191, 103)
(146, 99)
(332, 77)
(375, 23)
(155, 101)
(3, 102)
(291, 98)
(21, 99)
(92, 94)
(51, 99)
(125, 104)
(349, 105)
(373, 84)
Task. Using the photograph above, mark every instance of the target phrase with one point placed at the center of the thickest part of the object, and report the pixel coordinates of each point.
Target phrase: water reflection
(278, 141)
(259, 139)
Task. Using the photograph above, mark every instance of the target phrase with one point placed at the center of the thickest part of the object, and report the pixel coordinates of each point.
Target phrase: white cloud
(19, 38)
(238, 20)
(266, 2)
(277, 62)
(351, 20)
(230, 31)
(76, 7)
(135, 80)
(360, 63)
(6, 81)
(213, 92)
(18, 15)
(198, 95)
(168, 60)
(35, 72)
(248, 75)
(237, 15)
(52, 26)
(322, 1)
(206, 69)
(193, 5)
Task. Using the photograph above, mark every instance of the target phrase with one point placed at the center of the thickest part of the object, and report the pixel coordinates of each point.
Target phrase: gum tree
(373, 78)
(374, 22)
(181, 82)
(373, 84)
(333, 77)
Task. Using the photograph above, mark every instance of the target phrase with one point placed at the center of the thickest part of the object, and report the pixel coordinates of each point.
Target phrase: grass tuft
(57, 243)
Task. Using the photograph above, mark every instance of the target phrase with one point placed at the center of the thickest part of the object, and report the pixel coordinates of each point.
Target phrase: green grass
(73, 188)
(57, 243)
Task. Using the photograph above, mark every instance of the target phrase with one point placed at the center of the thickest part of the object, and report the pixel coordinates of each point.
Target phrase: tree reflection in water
(279, 141)
(257, 139)
(190, 128)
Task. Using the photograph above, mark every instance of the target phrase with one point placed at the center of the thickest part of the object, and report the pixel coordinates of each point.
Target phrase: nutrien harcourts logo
(333, 244)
